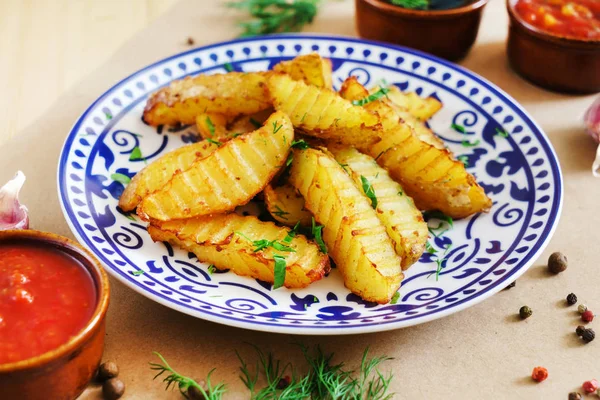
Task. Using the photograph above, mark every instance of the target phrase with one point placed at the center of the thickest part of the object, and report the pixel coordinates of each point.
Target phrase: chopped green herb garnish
(215, 142)
(280, 213)
(289, 160)
(467, 143)
(138, 272)
(292, 234)
(136, 154)
(502, 133)
(464, 160)
(228, 67)
(441, 228)
(124, 179)
(440, 261)
(300, 144)
(400, 193)
(344, 166)
(372, 97)
(304, 116)
(395, 298)
(236, 135)
(317, 232)
(255, 123)
(279, 271)
(211, 126)
(264, 243)
(369, 191)
(108, 116)
(211, 269)
(429, 248)
(276, 128)
(459, 128)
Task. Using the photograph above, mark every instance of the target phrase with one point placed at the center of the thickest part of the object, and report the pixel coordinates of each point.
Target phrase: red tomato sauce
(569, 18)
(46, 297)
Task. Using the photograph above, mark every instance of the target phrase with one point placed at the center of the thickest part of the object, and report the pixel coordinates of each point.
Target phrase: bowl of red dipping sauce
(556, 43)
(53, 300)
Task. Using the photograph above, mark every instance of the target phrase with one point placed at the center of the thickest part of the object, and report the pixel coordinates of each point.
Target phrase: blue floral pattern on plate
(476, 258)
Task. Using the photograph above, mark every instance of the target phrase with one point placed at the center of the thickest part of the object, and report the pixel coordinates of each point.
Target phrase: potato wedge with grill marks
(322, 112)
(421, 108)
(431, 176)
(309, 68)
(229, 94)
(355, 238)
(402, 220)
(220, 127)
(159, 172)
(226, 241)
(229, 177)
(421, 130)
(286, 205)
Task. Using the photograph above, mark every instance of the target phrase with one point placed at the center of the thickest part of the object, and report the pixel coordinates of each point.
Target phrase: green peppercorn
(588, 335)
(574, 396)
(571, 299)
(107, 370)
(113, 389)
(557, 262)
(582, 308)
(525, 312)
(580, 329)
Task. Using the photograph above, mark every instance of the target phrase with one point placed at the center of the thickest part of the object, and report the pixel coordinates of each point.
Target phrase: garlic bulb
(13, 215)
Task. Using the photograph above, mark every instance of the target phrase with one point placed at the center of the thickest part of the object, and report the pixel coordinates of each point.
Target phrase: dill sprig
(184, 383)
(274, 16)
(372, 97)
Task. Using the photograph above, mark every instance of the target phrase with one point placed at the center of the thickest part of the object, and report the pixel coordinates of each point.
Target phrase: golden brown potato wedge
(421, 130)
(356, 239)
(421, 108)
(220, 127)
(227, 178)
(286, 205)
(402, 220)
(229, 94)
(323, 113)
(429, 175)
(159, 172)
(226, 241)
(310, 68)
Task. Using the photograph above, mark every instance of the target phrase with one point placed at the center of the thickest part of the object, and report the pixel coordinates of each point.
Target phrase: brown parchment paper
(484, 352)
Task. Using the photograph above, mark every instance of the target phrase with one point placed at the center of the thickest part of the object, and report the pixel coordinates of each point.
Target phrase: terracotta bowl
(445, 33)
(62, 373)
(557, 63)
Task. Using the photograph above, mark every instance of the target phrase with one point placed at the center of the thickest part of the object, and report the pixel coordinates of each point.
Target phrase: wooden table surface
(47, 46)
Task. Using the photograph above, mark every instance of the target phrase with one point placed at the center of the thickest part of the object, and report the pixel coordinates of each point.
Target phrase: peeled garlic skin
(592, 125)
(13, 214)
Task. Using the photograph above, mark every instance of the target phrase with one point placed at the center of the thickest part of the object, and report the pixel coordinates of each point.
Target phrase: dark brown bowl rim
(545, 35)
(401, 11)
(101, 283)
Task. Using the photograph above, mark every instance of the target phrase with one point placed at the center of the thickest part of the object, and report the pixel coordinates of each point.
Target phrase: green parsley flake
(136, 154)
(264, 243)
(458, 128)
(228, 67)
(300, 144)
(304, 116)
(395, 298)
(279, 271)
(138, 272)
(211, 126)
(280, 213)
(289, 160)
(108, 116)
(467, 143)
(369, 191)
(124, 179)
(372, 97)
(317, 232)
(400, 193)
(429, 248)
(276, 128)
(464, 160)
(211, 269)
(502, 133)
(291, 234)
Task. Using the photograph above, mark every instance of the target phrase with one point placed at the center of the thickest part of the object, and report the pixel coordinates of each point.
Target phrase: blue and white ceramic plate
(520, 172)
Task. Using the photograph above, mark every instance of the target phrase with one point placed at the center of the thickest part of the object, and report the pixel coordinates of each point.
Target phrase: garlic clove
(13, 214)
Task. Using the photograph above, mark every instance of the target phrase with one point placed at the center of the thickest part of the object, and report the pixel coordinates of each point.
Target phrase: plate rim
(527, 262)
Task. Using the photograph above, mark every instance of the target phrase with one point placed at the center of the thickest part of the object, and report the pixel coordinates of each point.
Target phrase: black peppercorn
(574, 396)
(588, 335)
(113, 389)
(195, 394)
(571, 299)
(525, 312)
(579, 330)
(557, 262)
(107, 370)
(512, 285)
(284, 382)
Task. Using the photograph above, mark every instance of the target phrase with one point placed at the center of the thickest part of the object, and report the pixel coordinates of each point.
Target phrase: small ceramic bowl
(62, 373)
(445, 33)
(557, 63)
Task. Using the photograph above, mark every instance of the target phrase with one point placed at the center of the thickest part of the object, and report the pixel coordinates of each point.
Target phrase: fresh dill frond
(280, 213)
(215, 142)
(372, 97)
(210, 125)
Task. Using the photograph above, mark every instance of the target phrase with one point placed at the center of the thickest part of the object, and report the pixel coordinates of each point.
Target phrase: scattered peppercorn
(580, 329)
(512, 285)
(581, 308)
(588, 335)
(113, 389)
(539, 374)
(284, 382)
(107, 370)
(190, 41)
(571, 299)
(557, 262)
(590, 386)
(574, 396)
(587, 316)
(525, 312)
(195, 394)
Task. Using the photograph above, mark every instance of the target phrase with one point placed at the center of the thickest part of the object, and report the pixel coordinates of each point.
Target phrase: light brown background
(483, 352)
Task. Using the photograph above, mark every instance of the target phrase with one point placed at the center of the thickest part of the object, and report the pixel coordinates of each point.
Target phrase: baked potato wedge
(220, 127)
(421, 108)
(286, 205)
(322, 112)
(309, 68)
(229, 177)
(229, 241)
(158, 173)
(431, 176)
(355, 238)
(403, 221)
(419, 127)
(229, 94)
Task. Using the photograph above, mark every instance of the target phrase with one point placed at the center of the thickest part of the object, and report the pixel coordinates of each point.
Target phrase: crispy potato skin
(310, 68)
(322, 112)
(226, 127)
(229, 177)
(402, 220)
(421, 130)
(421, 108)
(159, 172)
(431, 176)
(355, 238)
(214, 240)
(286, 205)
(229, 94)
